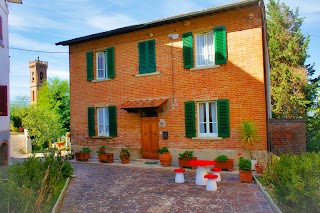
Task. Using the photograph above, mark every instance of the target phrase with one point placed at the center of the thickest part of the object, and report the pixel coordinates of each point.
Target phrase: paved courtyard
(116, 188)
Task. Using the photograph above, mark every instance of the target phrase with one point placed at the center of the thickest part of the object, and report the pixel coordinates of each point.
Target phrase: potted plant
(223, 162)
(83, 155)
(184, 158)
(124, 155)
(248, 136)
(165, 156)
(258, 167)
(245, 171)
(103, 156)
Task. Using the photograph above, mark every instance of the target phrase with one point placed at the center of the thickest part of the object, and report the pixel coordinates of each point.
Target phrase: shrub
(244, 164)
(163, 149)
(221, 158)
(124, 152)
(186, 154)
(296, 182)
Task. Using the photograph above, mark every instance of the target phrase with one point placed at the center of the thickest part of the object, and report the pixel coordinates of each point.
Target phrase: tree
(55, 95)
(18, 109)
(292, 88)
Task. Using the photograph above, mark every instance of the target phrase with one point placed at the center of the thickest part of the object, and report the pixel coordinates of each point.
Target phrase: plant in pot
(245, 171)
(83, 155)
(223, 162)
(184, 157)
(103, 156)
(248, 135)
(124, 155)
(165, 156)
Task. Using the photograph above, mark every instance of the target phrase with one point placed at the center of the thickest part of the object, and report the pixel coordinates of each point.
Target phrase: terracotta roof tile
(146, 103)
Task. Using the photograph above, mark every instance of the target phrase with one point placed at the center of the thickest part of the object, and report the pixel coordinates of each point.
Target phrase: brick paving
(116, 188)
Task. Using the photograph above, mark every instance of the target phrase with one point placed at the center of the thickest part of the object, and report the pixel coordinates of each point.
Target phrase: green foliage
(186, 154)
(55, 96)
(221, 158)
(313, 133)
(124, 152)
(18, 110)
(101, 150)
(163, 149)
(296, 182)
(292, 88)
(248, 134)
(29, 186)
(244, 164)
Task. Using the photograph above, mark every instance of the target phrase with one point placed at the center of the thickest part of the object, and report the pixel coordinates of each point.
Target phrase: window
(1, 33)
(103, 122)
(32, 76)
(212, 118)
(147, 56)
(101, 65)
(105, 68)
(106, 120)
(210, 48)
(3, 101)
(41, 76)
(207, 119)
(205, 49)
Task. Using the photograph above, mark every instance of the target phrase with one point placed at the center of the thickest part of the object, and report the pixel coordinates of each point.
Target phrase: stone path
(115, 188)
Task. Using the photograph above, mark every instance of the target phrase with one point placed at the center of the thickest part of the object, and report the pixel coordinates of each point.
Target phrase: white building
(4, 82)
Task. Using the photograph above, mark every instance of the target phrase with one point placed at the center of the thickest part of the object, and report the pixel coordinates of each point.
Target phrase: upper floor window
(1, 33)
(147, 56)
(32, 76)
(41, 76)
(101, 65)
(205, 49)
(105, 64)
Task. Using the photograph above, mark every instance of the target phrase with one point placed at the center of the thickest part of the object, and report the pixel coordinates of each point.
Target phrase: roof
(15, 1)
(145, 103)
(156, 22)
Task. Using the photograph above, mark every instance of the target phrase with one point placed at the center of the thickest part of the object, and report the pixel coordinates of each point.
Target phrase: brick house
(186, 82)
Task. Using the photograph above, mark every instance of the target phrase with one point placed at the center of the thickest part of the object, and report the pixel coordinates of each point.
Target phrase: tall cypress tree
(293, 90)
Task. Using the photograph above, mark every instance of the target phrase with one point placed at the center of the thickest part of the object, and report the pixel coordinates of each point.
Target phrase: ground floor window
(103, 121)
(207, 118)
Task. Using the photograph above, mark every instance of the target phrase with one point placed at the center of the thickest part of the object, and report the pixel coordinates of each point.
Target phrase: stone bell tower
(38, 74)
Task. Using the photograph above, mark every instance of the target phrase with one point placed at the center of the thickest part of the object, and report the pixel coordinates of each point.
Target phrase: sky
(37, 25)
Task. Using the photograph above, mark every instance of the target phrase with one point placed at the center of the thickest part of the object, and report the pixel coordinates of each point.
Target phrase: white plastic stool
(211, 184)
(179, 175)
(216, 171)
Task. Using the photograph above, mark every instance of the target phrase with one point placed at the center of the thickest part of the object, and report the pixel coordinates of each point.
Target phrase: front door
(149, 137)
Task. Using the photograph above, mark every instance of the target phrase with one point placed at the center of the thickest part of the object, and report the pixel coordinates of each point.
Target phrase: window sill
(203, 68)
(147, 74)
(100, 80)
(102, 137)
(206, 138)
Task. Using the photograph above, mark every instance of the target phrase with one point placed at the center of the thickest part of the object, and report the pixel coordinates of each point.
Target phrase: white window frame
(214, 122)
(104, 68)
(1, 32)
(104, 122)
(205, 49)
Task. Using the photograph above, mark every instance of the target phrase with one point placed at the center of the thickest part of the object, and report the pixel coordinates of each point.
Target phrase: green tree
(292, 88)
(18, 109)
(55, 95)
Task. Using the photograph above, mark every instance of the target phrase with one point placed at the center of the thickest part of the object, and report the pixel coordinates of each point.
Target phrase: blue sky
(38, 25)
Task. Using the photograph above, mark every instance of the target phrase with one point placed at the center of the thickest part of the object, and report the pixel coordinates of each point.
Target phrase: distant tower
(38, 74)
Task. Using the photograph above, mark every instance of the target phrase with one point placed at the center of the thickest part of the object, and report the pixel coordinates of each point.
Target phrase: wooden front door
(149, 137)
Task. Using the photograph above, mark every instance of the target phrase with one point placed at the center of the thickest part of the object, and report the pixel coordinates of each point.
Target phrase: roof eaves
(155, 22)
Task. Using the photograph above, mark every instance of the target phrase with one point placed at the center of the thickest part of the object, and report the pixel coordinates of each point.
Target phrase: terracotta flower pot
(165, 159)
(258, 168)
(245, 176)
(225, 165)
(125, 160)
(183, 162)
(82, 156)
(105, 157)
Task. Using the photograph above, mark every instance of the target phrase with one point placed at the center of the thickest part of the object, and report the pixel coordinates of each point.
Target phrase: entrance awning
(134, 105)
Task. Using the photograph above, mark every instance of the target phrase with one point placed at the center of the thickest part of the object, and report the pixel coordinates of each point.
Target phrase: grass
(50, 204)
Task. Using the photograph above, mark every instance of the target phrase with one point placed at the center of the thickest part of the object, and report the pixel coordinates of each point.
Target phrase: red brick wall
(288, 135)
(241, 81)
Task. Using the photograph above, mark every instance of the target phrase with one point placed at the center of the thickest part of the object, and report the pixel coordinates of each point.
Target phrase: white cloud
(110, 22)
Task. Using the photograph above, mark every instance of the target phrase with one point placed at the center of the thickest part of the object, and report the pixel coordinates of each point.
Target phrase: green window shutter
(89, 66)
(187, 50)
(220, 45)
(142, 57)
(91, 121)
(110, 62)
(112, 120)
(151, 56)
(223, 118)
(190, 121)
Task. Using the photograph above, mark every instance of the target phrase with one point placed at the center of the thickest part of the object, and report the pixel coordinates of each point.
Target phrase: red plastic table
(201, 169)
